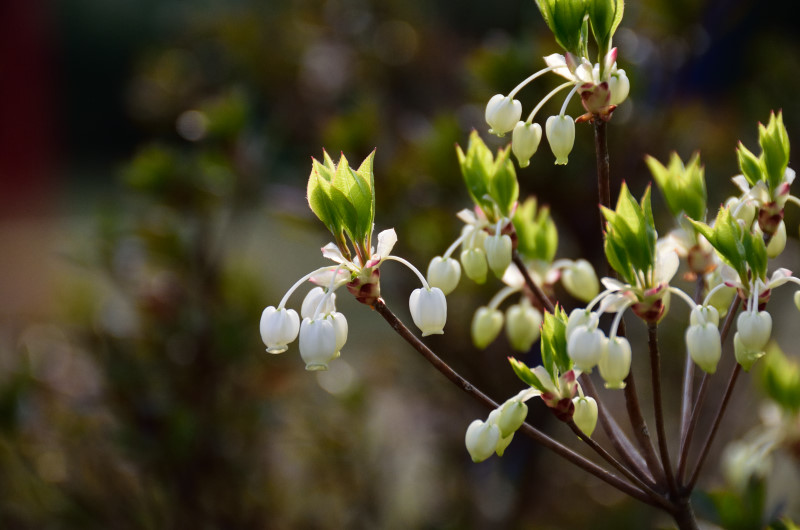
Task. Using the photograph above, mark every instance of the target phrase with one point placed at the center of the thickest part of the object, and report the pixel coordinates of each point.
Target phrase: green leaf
(554, 343)
(749, 164)
(605, 16)
(537, 237)
(319, 198)
(780, 378)
(565, 19)
(755, 252)
(683, 187)
(503, 186)
(526, 374)
(774, 143)
(476, 168)
(726, 237)
(358, 195)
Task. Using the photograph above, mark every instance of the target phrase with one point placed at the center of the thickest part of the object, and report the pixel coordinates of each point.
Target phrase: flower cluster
(601, 85)
(344, 200)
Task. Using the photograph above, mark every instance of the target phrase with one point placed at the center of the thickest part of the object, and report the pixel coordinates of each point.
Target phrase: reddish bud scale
(366, 290)
(769, 217)
(700, 261)
(763, 298)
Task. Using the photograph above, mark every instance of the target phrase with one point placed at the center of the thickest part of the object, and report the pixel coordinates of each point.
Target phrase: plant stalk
(655, 372)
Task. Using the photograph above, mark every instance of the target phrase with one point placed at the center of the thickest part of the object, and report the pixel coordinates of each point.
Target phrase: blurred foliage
(144, 400)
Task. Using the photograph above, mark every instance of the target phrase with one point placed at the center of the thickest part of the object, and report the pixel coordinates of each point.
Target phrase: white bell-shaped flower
(444, 273)
(704, 345)
(777, 243)
(498, 253)
(561, 136)
(525, 141)
(580, 280)
(581, 317)
(754, 329)
(312, 300)
(585, 415)
(512, 415)
(318, 343)
(481, 440)
(502, 114)
(502, 444)
(428, 310)
(797, 300)
(523, 326)
(486, 325)
(475, 266)
(585, 347)
(279, 327)
(615, 362)
(704, 314)
(619, 86)
(744, 355)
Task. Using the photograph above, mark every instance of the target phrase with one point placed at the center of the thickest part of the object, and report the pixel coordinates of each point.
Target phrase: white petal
(667, 263)
(611, 284)
(613, 303)
(528, 393)
(788, 175)
(779, 277)
(467, 216)
(741, 183)
(512, 277)
(332, 252)
(386, 241)
(729, 276)
(560, 62)
(324, 278)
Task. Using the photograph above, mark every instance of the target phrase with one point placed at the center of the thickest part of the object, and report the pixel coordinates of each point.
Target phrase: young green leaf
(526, 374)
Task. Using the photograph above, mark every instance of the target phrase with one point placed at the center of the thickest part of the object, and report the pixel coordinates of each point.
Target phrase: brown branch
(655, 378)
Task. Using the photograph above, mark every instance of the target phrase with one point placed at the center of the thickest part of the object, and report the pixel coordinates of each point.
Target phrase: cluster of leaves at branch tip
(683, 186)
(630, 238)
(570, 20)
(770, 166)
(344, 200)
(537, 237)
(555, 360)
(491, 182)
(737, 247)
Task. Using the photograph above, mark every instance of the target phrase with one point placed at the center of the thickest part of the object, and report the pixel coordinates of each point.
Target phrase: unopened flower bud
(778, 241)
(512, 416)
(742, 212)
(502, 444)
(444, 274)
(502, 114)
(561, 135)
(428, 310)
(585, 347)
(486, 325)
(312, 300)
(525, 141)
(580, 280)
(704, 314)
(619, 86)
(474, 262)
(615, 362)
(744, 355)
(581, 317)
(481, 440)
(498, 253)
(754, 329)
(704, 345)
(317, 343)
(523, 323)
(585, 415)
(279, 327)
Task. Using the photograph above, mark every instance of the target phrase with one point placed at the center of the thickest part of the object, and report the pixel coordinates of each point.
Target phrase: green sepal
(537, 237)
(605, 16)
(755, 252)
(749, 164)
(526, 374)
(554, 343)
(565, 20)
(683, 186)
(780, 378)
(774, 143)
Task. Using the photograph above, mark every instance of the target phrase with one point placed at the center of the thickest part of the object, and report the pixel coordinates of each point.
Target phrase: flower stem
(686, 440)
(655, 373)
(530, 431)
(688, 374)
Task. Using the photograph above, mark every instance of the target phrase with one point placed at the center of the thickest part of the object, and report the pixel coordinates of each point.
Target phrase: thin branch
(615, 434)
(603, 166)
(530, 431)
(535, 289)
(686, 441)
(655, 372)
(605, 455)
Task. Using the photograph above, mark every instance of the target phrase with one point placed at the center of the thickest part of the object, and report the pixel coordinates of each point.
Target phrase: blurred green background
(154, 156)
